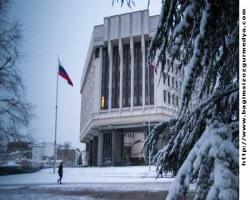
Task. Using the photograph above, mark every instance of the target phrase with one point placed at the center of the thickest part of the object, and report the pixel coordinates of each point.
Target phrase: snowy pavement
(86, 191)
(86, 184)
(87, 175)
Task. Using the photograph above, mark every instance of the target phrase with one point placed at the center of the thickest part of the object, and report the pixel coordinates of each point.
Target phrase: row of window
(171, 82)
(175, 71)
(126, 90)
(130, 135)
(170, 99)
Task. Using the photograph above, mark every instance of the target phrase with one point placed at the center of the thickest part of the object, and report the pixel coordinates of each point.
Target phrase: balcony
(126, 118)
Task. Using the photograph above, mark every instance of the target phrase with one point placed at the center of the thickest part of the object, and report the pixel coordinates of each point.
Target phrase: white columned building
(120, 93)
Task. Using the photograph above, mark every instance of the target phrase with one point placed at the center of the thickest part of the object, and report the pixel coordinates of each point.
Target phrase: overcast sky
(63, 28)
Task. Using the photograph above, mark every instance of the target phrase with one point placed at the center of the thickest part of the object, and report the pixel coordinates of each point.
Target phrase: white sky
(53, 28)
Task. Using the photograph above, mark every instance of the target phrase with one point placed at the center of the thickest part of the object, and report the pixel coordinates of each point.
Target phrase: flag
(154, 66)
(63, 73)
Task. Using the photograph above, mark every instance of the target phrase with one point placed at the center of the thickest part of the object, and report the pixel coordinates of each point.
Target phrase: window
(107, 146)
(168, 80)
(176, 84)
(164, 79)
(164, 96)
(105, 79)
(149, 80)
(115, 78)
(169, 98)
(126, 93)
(137, 74)
(173, 82)
(173, 99)
(177, 101)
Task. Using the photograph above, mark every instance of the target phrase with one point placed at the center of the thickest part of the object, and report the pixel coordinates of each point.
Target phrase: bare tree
(66, 145)
(15, 112)
(130, 3)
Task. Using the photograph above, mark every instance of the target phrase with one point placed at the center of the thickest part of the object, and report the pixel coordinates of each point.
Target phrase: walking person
(60, 173)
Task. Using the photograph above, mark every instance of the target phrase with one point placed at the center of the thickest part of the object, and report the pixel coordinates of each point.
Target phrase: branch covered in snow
(181, 134)
(202, 36)
(212, 161)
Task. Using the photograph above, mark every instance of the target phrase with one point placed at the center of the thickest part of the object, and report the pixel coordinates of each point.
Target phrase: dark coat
(60, 170)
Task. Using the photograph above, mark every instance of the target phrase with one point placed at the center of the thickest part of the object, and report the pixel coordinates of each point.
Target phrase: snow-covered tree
(201, 145)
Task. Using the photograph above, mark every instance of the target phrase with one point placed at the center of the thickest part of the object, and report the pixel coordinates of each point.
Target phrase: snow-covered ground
(90, 183)
(135, 174)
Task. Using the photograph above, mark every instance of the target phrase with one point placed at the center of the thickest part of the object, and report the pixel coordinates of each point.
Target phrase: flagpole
(55, 150)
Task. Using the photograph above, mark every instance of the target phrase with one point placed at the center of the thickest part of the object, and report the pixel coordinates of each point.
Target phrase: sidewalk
(90, 191)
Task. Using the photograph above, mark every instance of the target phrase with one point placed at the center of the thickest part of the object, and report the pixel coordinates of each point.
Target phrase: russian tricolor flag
(63, 73)
(154, 66)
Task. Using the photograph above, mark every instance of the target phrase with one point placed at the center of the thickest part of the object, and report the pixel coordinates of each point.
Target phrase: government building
(121, 95)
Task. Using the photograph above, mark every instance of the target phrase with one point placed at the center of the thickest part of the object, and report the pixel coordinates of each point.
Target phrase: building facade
(43, 154)
(37, 152)
(121, 95)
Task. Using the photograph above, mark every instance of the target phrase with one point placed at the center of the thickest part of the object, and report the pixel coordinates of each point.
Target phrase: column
(100, 149)
(121, 71)
(113, 148)
(95, 150)
(143, 69)
(87, 153)
(132, 71)
(91, 152)
(110, 73)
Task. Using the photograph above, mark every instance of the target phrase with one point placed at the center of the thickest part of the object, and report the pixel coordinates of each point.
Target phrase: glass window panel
(115, 77)
(169, 98)
(149, 80)
(137, 74)
(164, 96)
(126, 75)
(105, 79)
